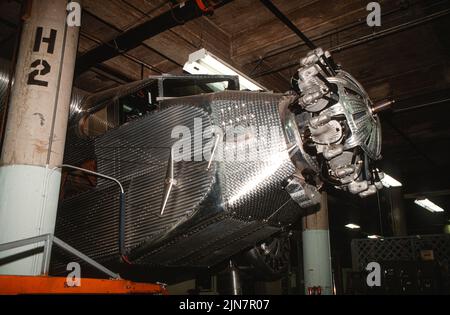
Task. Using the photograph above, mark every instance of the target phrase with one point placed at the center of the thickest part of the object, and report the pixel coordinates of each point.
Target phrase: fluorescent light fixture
(389, 181)
(203, 62)
(374, 237)
(429, 205)
(352, 226)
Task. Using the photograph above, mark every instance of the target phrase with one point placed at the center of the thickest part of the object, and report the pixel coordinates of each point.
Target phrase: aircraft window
(144, 101)
(137, 104)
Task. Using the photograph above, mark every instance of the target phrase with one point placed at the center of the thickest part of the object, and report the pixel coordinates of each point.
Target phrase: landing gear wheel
(270, 260)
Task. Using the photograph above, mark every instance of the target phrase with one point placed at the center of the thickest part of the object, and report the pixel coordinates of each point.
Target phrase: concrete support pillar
(36, 129)
(398, 215)
(316, 251)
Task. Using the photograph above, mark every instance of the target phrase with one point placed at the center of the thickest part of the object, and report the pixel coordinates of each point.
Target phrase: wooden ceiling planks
(105, 22)
(100, 23)
(115, 12)
(380, 60)
(243, 31)
(93, 81)
(313, 18)
(351, 27)
(148, 8)
(239, 36)
(170, 44)
(175, 44)
(150, 57)
(204, 33)
(96, 33)
(243, 16)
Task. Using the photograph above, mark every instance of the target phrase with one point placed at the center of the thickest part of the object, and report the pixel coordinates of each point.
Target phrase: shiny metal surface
(355, 104)
(342, 129)
(253, 189)
(240, 198)
(139, 160)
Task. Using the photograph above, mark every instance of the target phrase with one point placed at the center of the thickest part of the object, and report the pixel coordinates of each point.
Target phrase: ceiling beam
(133, 37)
(112, 74)
(286, 21)
(115, 28)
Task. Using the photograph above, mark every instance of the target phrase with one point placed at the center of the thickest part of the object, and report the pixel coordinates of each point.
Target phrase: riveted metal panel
(211, 211)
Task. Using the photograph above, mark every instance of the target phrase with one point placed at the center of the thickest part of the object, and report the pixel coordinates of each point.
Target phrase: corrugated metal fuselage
(214, 211)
